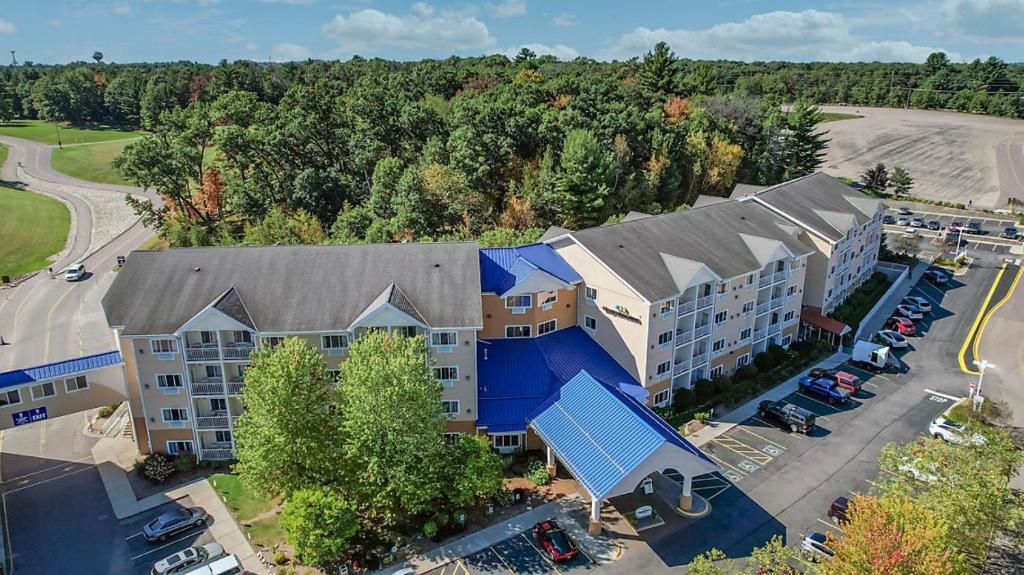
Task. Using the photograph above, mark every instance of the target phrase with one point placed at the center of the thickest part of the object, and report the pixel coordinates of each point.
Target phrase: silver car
(186, 558)
(167, 524)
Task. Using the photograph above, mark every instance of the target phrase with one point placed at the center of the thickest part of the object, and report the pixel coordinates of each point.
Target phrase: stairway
(128, 431)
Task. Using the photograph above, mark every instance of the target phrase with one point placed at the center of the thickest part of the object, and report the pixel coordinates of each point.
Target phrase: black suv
(797, 418)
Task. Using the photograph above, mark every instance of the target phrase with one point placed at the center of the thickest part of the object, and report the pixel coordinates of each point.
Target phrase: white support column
(551, 466)
(595, 517)
(686, 497)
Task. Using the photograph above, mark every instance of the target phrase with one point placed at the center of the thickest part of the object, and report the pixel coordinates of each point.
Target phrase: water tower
(98, 56)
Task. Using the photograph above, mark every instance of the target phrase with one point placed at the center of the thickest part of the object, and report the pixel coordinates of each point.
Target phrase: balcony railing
(706, 301)
(686, 307)
(778, 301)
(779, 276)
(235, 386)
(212, 422)
(765, 280)
(760, 334)
(700, 359)
(763, 307)
(702, 330)
(218, 454)
(682, 367)
(683, 337)
(210, 387)
(774, 328)
(202, 354)
(238, 353)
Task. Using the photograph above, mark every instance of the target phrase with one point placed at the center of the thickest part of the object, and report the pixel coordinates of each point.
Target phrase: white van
(74, 272)
(225, 566)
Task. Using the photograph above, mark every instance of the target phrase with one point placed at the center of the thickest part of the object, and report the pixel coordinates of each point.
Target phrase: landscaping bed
(859, 303)
(175, 471)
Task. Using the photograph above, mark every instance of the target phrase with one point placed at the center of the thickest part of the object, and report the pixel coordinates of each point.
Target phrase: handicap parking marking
(743, 449)
(748, 466)
(741, 474)
(732, 476)
(775, 443)
(772, 449)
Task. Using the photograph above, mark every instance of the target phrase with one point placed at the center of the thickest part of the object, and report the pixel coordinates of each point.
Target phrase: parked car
(167, 524)
(917, 222)
(815, 544)
(905, 212)
(955, 226)
(909, 312)
(74, 272)
(554, 541)
(888, 219)
(973, 227)
(919, 302)
(920, 471)
(902, 221)
(1010, 233)
(827, 389)
(952, 432)
(891, 338)
(186, 558)
(936, 277)
(798, 419)
(843, 379)
(934, 225)
(224, 566)
(838, 512)
(901, 325)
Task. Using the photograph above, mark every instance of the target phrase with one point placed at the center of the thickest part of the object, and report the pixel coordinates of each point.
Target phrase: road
(46, 319)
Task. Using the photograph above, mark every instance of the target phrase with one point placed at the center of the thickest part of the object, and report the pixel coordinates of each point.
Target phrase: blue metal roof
(602, 434)
(517, 375)
(503, 268)
(59, 369)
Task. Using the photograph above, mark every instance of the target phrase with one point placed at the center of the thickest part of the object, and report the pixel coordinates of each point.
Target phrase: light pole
(982, 365)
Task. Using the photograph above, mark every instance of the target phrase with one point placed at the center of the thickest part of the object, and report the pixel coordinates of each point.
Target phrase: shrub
(429, 529)
(764, 361)
(702, 416)
(140, 467)
(721, 383)
(108, 410)
(747, 372)
(683, 399)
(538, 473)
(279, 557)
(158, 468)
(704, 389)
(184, 462)
(779, 353)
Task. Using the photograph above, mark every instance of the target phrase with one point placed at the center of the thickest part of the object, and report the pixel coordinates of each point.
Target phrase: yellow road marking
(991, 312)
(776, 444)
(743, 449)
(742, 473)
(977, 320)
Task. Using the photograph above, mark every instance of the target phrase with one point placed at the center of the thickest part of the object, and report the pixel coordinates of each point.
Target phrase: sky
(60, 31)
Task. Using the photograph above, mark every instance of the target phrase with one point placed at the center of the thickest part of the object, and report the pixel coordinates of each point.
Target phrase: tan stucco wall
(162, 436)
(457, 426)
(497, 316)
(106, 386)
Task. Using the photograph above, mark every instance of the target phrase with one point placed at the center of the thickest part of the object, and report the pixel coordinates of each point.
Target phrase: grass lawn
(92, 163)
(255, 513)
(154, 243)
(46, 132)
(33, 228)
(836, 116)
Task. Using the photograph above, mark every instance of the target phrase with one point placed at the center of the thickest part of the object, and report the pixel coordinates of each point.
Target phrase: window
(547, 327)
(218, 405)
(664, 369)
(447, 375)
(791, 291)
(721, 316)
(742, 360)
(163, 346)
(10, 397)
(718, 345)
(180, 446)
(517, 331)
(169, 382)
(717, 371)
(722, 287)
(450, 406)
(518, 301)
(748, 307)
(174, 414)
(704, 290)
(667, 307)
(750, 278)
(452, 436)
(42, 391)
(661, 398)
(547, 298)
(208, 337)
(273, 340)
(589, 323)
(789, 316)
(745, 334)
(334, 344)
(787, 340)
(222, 436)
(404, 330)
(214, 372)
(444, 338)
(780, 266)
(665, 338)
(242, 336)
(73, 384)
(506, 441)
(590, 294)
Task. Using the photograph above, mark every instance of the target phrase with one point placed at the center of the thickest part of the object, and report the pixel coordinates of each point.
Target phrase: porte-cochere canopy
(609, 441)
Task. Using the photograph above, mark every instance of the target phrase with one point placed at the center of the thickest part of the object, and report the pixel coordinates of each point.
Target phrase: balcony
(681, 367)
(701, 330)
(706, 301)
(202, 354)
(235, 386)
(685, 308)
(765, 281)
(212, 422)
(779, 276)
(760, 334)
(774, 328)
(238, 353)
(683, 337)
(219, 454)
(208, 387)
(778, 301)
(763, 307)
(700, 359)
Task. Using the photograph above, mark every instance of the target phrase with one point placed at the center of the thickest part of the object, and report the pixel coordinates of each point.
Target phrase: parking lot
(986, 242)
(517, 555)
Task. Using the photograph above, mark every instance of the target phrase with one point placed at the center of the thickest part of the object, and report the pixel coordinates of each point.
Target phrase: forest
(487, 148)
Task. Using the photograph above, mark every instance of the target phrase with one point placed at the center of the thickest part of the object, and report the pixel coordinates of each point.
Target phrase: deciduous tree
(876, 178)
(319, 523)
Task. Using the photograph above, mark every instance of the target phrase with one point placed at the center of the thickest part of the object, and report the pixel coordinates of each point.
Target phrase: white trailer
(873, 356)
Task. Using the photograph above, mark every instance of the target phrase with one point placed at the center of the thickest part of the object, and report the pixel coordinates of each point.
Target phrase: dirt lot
(952, 156)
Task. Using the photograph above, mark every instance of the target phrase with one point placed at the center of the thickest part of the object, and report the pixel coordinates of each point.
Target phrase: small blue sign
(29, 415)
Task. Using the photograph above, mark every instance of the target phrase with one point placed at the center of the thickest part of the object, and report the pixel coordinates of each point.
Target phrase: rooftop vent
(197, 268)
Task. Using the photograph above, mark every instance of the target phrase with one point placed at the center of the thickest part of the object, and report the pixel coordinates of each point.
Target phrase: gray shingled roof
(815, 199)
(230, 304)
(712, 234)
(296, 288)
(745, 190)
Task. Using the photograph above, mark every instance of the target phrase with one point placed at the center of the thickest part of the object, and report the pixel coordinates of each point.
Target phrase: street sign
(974, 388)
(29, 415)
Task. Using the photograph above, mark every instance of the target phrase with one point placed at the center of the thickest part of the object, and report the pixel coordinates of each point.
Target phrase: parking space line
(809, 398)
(828, 524)
(37, 484)
(775, 443)
(502, 559)
(542, 556)
(743, 449)
(182, 538)
(871, 384)
(925, 295)
(130, 537)
(461, 566)
(742, 474)
(793, 435)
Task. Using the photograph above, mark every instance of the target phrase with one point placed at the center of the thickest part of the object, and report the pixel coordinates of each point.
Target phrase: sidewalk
(115, 454)
(602, 549)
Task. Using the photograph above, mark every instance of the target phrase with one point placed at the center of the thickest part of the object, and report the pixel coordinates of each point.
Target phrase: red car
(554, 541)
(843, 379)
(839, 511)
(901, 325)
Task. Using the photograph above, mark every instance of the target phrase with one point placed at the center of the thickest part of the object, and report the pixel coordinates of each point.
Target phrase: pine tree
(657, 74)
(583, 181)
(803, 147)
(900, 181)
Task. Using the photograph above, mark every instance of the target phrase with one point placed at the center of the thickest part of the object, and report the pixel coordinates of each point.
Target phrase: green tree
(279, 227)
(900, 181)
(393, 426)
(499, 237)
(657, 74)
(473, 471)
(583, 181)
(288, 437)
(319, 523)
(804, 146)
(876, 178)
(7, 101)
(123, 98)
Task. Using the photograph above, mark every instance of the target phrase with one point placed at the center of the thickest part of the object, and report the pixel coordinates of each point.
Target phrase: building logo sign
(29, 416)
(621, 312)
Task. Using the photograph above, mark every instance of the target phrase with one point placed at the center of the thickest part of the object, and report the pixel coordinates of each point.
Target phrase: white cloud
(6, 27)
(123, 9)
(509, 9)
(801, 36)
(286, 51)
(985, 19)
(563, 20)
(420, 28)
(560, 51)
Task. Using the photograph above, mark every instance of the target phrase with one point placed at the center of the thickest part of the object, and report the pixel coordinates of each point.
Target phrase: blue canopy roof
(517, 375)
(602, 435)
(59, 369)
(503, 268)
